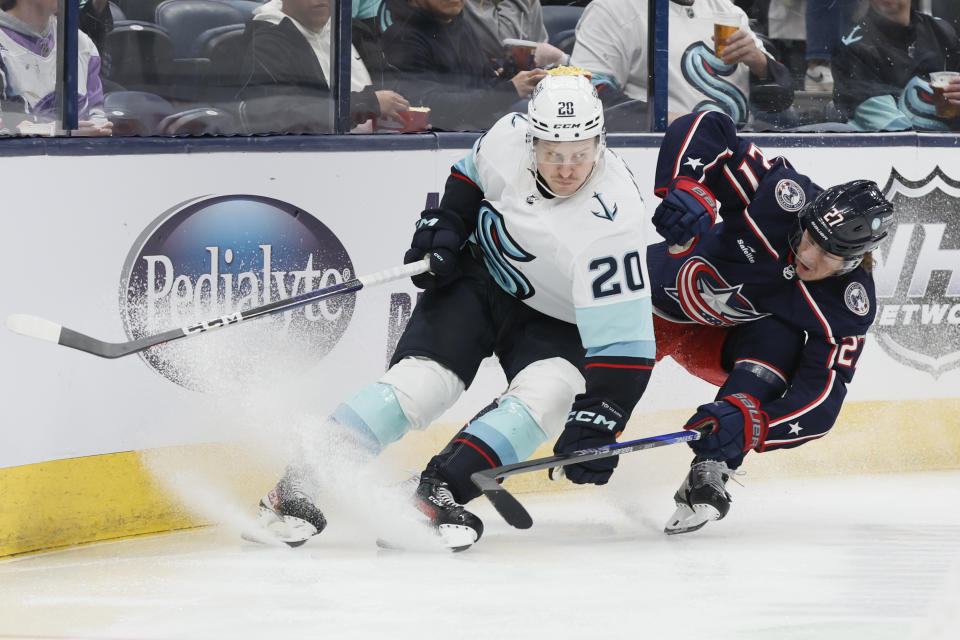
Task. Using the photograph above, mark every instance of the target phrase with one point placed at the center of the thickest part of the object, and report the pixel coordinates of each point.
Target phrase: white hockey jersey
(612, 45)
(31, 70)
(578, 259)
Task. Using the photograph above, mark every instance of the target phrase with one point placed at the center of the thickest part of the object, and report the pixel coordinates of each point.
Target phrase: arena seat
(116, 12)
(138, 9)
(141, 55)
(224, 47)
(561, 24)
(135, 113)
(199, 121)
(246, 7)
(184, 20)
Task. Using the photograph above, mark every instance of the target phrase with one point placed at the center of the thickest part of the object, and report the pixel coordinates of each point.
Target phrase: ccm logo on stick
(222, 321)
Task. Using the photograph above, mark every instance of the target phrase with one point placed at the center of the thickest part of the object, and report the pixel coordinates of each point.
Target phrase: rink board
(73, 421)
(63, 503)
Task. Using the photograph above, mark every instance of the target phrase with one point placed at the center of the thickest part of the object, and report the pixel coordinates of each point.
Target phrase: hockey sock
(462, 456)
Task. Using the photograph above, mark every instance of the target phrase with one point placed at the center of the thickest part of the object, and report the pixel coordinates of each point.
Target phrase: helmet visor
(565, 153)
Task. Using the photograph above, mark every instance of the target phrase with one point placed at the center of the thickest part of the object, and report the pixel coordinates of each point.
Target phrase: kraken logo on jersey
(607, 214)
(706, 298)
(497, 247)
(705, 72)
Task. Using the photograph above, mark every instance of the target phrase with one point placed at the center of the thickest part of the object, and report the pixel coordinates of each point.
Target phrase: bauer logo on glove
(737, 424)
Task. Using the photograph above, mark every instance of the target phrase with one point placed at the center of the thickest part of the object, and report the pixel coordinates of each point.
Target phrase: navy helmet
(848, 220)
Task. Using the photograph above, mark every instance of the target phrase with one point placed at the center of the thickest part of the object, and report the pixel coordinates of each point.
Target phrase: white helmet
(565, 108)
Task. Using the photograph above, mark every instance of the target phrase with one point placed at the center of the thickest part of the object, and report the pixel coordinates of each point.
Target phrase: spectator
(96, 21)
(787, 30)
(827, 20)
(28, 50)
(496, 20)
(882, 65)
(611, 44)
(286, 71)
(442, 66)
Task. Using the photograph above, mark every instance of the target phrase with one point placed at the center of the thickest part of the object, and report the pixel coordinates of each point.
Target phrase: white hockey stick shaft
(49, 331)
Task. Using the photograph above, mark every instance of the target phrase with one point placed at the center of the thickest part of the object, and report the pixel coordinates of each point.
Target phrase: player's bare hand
(391, 102)
(546, 54)
(742, 47)
(525, 81)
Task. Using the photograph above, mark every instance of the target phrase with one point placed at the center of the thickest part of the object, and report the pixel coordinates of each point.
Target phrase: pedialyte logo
(214, 256)
(918, 274)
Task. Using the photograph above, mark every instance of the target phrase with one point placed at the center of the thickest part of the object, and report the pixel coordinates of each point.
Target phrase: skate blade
(274, 529)
(421, 536)
(457, 537)
(686, 519)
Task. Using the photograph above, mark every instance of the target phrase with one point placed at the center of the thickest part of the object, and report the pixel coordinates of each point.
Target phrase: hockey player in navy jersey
(537, 256)
(772, 303)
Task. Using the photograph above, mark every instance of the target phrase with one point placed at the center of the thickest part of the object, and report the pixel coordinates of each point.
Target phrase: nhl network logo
(213, 256)
(918, 274)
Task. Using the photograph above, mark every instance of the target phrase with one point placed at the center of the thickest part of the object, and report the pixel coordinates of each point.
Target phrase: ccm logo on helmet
(567, 125)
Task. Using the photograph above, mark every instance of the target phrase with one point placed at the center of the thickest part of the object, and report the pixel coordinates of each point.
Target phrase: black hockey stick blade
(49, 331)
(514, 512)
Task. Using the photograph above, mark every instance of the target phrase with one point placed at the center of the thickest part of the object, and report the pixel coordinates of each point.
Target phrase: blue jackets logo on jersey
(497, 246)
(606, 213)
(857, 299)
(708, 299)
(790, 195)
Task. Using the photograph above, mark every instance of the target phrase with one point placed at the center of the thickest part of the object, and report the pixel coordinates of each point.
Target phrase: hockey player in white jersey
(536, 255)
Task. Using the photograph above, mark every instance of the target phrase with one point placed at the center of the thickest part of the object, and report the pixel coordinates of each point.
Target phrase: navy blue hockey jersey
(742, 269)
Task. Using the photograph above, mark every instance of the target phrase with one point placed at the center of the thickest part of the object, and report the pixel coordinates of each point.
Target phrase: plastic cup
(938, 82)
(522, 56)
(723, 29)
(521, 52)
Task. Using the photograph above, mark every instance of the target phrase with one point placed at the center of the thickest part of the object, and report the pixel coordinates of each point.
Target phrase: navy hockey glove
(738, 422)
(688, 210)
(591, 424)
(440, 234)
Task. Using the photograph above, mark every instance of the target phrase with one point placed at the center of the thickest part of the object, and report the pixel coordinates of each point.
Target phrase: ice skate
(287, 514)
(701, 498)
(456, 528)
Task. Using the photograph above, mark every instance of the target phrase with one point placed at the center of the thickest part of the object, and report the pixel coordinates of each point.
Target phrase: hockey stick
(511, 509)
(41, 329)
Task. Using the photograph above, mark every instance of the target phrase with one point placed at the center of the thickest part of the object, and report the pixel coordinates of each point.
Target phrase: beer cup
(723, 28)
(521, 52)
(938, 82)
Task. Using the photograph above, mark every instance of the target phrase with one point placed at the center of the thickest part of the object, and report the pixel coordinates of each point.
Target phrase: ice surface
(868, 557)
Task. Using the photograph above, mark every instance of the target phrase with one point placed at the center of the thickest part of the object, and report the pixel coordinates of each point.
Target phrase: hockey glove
(739, 424)
(591, 424)
(440, 234)
(688, 210)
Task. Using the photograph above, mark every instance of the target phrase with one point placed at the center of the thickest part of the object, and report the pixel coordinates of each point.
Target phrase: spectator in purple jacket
(28, 69)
